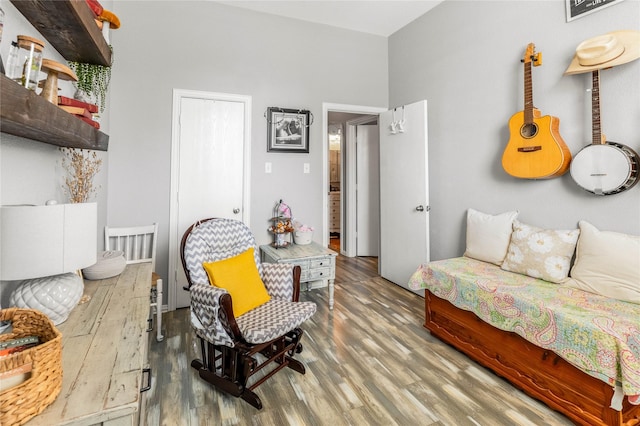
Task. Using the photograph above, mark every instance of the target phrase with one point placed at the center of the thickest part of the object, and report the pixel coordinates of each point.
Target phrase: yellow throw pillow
(240, 277)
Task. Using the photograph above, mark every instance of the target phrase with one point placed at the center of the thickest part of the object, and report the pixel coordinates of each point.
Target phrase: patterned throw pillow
(540, 253)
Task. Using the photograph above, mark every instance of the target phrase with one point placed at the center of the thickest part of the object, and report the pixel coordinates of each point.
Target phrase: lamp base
(54, 296)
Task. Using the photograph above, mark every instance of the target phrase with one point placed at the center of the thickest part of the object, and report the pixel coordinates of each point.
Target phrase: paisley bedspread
(598, 335)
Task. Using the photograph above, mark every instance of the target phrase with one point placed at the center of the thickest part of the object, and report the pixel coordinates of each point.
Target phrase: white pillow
(488, 235)
(540, 253)
(607, 263)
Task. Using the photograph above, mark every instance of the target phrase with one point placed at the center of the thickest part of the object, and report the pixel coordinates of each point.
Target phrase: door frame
(351, 194)
(174, 237)
(350, 167)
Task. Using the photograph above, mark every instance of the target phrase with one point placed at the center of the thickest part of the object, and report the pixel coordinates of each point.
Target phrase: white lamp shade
(39, 241)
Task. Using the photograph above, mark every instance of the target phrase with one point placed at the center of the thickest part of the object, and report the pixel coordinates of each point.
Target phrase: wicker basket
(20, 403)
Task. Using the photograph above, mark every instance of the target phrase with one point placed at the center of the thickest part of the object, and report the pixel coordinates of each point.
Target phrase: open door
(404, 192)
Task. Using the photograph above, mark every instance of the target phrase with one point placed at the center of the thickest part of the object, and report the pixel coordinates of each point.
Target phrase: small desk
(104, 351)
(317, 262)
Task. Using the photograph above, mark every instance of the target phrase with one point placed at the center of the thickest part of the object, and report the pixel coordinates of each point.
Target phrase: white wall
(464, 58)
(206, 46)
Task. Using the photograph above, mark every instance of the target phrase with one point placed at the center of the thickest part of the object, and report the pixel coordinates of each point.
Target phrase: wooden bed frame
(538, 372)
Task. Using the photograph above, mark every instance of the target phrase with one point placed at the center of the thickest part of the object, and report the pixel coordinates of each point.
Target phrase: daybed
(577, 351)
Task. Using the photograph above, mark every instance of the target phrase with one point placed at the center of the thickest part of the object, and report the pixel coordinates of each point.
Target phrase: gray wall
(464, 58)
(30, 171)
(206, 46)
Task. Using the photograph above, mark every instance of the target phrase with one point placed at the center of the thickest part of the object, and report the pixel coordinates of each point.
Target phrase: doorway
(210, 154)
(340, 206)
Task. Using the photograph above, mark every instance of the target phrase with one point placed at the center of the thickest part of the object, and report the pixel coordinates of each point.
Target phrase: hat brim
(631, 42)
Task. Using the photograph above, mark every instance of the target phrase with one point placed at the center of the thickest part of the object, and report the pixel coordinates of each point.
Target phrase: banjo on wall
(604, 167)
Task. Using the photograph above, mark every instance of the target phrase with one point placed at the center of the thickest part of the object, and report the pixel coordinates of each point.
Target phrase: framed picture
(287, 130)
(579, 8)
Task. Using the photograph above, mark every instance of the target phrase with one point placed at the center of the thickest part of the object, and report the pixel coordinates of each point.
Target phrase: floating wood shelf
(69, 27)
(25, 114)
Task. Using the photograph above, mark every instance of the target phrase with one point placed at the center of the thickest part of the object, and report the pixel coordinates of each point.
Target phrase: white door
(367, 190)
(404, 193)
(209, 172)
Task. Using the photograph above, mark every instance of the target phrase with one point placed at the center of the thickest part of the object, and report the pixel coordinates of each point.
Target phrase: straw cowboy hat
(605, 51)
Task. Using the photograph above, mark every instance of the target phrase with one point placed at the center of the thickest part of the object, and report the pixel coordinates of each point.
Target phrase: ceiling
(380, 17)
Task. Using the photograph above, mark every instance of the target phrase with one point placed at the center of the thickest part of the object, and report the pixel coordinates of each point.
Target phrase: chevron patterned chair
(234, 348)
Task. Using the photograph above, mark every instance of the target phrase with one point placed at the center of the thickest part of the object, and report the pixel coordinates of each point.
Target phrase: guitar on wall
(535, 149)
(604, 167)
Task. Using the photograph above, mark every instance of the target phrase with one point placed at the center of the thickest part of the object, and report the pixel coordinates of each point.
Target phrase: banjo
(604, 167)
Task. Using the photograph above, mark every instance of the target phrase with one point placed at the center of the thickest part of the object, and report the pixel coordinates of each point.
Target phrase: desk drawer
(321, 263)
(302, 263)
(320, 274)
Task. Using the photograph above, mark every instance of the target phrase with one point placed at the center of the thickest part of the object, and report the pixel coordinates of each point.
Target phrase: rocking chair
(235, 347)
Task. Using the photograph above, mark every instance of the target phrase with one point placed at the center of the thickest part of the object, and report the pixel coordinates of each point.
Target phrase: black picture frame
(579, 8)
(287, 130)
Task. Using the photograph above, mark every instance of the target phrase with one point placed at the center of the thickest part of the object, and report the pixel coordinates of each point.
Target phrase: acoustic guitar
(535, 149)
(604, 167)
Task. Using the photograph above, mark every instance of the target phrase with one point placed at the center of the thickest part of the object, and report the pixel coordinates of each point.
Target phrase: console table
(104, 352)
(317, 263)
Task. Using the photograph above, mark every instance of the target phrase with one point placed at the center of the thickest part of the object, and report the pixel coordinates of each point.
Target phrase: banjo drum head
(601, 169)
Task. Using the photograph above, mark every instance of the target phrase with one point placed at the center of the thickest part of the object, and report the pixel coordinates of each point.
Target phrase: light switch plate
(307, 168)
(267, 167)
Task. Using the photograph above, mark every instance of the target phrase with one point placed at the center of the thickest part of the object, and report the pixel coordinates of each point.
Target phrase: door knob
(236, 210)
(421, 208)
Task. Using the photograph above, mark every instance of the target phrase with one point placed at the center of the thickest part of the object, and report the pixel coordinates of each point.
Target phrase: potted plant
(93, 82)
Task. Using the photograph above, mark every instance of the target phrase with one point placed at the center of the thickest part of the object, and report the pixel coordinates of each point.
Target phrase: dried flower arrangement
(81, 166)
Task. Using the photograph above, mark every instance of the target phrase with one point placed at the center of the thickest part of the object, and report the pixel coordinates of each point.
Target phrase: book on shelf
(95, 7)
(89, 121)
(79, 111)
(63, 100)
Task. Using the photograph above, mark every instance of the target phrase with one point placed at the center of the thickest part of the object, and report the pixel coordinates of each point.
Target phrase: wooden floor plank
(369, 361)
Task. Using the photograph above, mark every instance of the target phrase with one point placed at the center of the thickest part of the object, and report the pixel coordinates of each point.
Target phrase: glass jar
(12, 60)
(26, 70)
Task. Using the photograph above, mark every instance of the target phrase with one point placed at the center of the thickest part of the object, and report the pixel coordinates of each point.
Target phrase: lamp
(43, 246)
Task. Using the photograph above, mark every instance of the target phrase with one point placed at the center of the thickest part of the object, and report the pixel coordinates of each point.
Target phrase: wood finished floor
(369, 362)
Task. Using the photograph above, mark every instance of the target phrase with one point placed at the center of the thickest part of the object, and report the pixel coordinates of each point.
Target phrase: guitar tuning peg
(537, 59)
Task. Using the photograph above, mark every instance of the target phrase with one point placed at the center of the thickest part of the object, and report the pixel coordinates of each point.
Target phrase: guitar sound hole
(529, 130)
